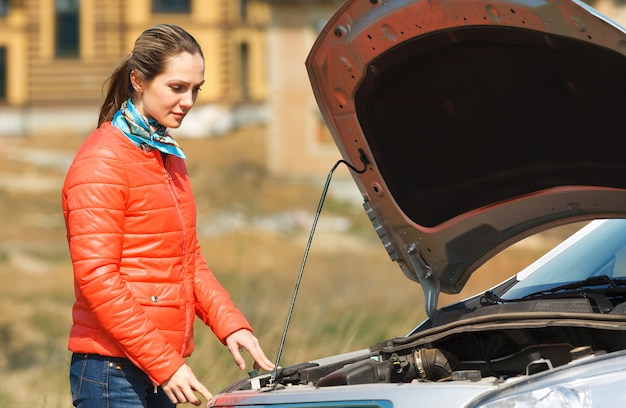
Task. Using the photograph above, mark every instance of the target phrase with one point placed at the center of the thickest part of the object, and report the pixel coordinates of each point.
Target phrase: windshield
(597, 249)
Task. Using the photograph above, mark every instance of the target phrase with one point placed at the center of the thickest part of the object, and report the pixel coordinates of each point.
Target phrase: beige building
(55, 52)
(55, 56)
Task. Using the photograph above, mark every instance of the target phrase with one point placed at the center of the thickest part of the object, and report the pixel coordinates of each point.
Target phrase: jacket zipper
(188, 324)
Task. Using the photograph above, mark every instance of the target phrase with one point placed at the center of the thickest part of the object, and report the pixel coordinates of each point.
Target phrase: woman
(139, 276)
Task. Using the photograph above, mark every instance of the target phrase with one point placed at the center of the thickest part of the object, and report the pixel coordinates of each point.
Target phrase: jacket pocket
(158, 294)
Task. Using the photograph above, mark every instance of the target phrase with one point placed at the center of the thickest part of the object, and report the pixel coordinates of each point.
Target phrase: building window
(3, 74)
(4, 8)
(171, 6)
(244, 71)
(67, 28)
(243, 10)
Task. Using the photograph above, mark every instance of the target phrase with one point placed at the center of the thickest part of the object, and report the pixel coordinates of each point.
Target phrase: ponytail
(120, 89)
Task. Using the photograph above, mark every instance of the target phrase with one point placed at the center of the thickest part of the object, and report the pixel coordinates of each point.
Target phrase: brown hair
(153, 48)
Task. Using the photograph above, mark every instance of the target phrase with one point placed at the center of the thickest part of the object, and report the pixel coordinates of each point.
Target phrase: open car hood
(478, 122)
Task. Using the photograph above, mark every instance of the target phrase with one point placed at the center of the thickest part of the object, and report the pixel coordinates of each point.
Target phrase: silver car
(470, 125)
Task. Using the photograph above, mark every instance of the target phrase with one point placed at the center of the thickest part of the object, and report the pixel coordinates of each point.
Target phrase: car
(470, 125)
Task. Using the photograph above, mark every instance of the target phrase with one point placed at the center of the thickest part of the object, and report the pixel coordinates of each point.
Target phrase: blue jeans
(112, 382)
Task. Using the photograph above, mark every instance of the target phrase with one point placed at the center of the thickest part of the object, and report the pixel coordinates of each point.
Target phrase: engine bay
(497, 347)
(501, 353)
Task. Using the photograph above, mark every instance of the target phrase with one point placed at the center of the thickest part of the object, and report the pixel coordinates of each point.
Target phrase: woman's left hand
(244, 339)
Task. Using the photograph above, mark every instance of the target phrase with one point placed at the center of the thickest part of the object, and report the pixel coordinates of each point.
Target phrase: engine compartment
(497, 347)
(501, 353)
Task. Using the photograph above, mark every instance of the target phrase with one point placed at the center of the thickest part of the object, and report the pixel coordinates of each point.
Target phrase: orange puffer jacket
(139, 276)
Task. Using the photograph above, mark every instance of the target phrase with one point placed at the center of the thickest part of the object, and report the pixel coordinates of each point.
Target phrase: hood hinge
(418, 269)
(426, 277)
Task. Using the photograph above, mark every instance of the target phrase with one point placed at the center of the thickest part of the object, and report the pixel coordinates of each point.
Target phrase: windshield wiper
(592, 282)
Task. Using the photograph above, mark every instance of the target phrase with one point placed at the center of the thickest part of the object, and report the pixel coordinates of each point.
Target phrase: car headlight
(598, 381)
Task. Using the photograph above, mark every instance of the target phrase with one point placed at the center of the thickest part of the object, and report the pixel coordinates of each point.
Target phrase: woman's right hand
(182, 386)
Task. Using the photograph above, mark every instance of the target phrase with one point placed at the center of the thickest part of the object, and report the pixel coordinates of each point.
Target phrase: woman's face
(170, 95)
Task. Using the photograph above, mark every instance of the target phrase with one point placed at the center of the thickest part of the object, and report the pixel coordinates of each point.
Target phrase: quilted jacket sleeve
(213, 303)
(94, 198)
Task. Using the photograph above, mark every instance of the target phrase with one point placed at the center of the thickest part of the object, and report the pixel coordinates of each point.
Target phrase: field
(254, 228)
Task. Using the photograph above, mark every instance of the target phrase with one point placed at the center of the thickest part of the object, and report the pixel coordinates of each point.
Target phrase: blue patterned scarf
(143, 131)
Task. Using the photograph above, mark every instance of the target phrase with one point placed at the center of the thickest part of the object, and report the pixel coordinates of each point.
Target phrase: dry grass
(351, 295)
